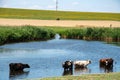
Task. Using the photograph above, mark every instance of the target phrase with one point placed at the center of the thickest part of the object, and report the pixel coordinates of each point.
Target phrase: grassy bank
(52, 15)
(100, 34)
(108, 76)
(23, 33)
(33, 33)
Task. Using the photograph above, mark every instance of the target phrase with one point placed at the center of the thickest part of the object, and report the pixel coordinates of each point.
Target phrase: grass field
(108, 76)
(52, 15)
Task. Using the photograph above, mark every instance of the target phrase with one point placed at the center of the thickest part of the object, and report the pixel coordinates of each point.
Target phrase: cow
(67, 65)
(81, 63)
(18, 69)
(18, 66)
(108, 62)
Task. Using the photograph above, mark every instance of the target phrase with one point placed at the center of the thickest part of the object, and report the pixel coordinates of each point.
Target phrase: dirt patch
(61, 23)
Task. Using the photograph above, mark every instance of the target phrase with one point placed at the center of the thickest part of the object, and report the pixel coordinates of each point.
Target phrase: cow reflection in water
(18, 74)
(106, 69)
(81, 70)
(67, 72)
(17, 71)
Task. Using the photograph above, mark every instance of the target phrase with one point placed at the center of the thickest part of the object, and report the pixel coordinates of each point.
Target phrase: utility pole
(56, 5)
(57, 10)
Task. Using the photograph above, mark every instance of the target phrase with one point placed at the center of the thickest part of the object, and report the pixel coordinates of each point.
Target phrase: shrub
(24, 33)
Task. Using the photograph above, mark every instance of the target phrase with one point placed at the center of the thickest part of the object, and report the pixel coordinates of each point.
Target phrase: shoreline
(107, 76)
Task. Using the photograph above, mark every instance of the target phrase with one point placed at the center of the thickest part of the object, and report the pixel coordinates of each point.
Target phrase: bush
(24, 33)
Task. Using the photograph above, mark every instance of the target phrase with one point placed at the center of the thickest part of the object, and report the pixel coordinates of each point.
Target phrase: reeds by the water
(33, 33)
(24, 33)
(101, 34)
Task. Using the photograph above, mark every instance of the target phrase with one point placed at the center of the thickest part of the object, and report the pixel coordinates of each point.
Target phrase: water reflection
(67, 72)
(106, 69)
(114, 43)
(84, 70)
(18, 75)
(76, 71)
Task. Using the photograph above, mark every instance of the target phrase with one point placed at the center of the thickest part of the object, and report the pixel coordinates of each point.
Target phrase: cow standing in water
(17, 68)
(106, 64)
(81, 63)
(67, 65)
(68, 68)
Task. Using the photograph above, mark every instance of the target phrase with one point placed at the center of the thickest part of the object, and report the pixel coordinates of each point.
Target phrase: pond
(46, 57)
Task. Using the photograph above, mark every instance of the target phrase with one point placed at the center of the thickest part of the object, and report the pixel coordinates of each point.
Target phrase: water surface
(46, 57)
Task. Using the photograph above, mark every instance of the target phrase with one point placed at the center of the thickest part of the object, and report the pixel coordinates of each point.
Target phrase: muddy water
(46, 57)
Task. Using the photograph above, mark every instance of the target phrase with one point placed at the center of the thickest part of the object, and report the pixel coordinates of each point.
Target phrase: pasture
(53, 15)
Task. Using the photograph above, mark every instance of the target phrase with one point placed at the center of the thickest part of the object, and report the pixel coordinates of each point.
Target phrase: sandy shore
(61, 23)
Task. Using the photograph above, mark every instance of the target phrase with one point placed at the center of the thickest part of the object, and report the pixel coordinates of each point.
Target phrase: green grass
(108, 76)
(52, 15)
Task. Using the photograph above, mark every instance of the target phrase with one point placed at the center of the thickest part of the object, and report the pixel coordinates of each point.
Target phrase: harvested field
(60, 23)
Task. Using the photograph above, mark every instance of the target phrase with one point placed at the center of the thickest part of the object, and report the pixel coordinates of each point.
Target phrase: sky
(65, 5)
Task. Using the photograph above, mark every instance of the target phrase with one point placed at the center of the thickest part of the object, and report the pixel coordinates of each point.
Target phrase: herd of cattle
(106, 63)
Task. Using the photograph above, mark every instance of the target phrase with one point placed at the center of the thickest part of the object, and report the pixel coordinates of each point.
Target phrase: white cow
(81, 63)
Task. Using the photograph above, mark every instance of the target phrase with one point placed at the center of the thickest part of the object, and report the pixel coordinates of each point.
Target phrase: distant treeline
(33, 33)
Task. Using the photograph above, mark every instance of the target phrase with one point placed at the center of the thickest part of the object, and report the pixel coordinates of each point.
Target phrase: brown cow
(107, 62)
